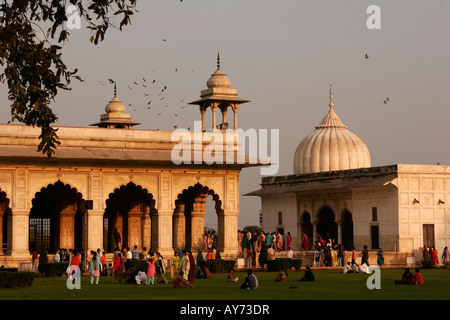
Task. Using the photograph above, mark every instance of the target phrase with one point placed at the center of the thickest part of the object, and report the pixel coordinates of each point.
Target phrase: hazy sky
(281, 55)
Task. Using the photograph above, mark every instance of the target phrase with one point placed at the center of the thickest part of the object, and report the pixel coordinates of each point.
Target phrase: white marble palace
(334, 190)
(112, 176)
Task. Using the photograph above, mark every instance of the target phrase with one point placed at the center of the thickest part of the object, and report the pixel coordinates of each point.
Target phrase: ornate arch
(129, 209)
(56, 218)
(189, 214)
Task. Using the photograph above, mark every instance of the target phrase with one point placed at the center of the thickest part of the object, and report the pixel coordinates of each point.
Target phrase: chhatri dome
(115, 116)
(218, 79)
(330, 147)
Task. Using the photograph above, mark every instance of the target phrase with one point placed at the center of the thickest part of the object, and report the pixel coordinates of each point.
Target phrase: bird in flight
(366, 56)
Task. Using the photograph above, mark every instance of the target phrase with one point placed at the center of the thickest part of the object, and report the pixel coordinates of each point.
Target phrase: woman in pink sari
(288, 242)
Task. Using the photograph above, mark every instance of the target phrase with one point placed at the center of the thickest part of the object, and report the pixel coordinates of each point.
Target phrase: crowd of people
(431, 254)
(252, 241)
(185, 268)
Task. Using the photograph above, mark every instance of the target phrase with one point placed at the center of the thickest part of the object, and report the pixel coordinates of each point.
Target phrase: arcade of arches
(326, 225)
(59, 216)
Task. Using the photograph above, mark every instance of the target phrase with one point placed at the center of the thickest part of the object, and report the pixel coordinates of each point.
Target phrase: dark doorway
(375, 235)
(307, 228)
(347, 230)
(428, 235)
(327, 227)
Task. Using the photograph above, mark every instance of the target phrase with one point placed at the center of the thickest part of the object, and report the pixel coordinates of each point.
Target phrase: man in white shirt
(56, 257)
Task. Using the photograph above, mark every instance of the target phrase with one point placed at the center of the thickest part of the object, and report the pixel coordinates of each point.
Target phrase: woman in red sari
(434, 256)
(305, 242)
(118, 266)
(191, 267)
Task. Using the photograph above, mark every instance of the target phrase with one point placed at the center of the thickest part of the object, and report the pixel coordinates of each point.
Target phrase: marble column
(20, 233)
(235, 107)
(179, 226)
(135, 227)
(67, 226)
(162, 232)
(198, 222)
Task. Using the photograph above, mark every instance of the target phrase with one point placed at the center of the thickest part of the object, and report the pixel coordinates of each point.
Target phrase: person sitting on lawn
(348, 268)
(309, 276)
(417, 277)
(406, 278)
(181, 282)
(282, 276)
(250, 282)
(231, 276)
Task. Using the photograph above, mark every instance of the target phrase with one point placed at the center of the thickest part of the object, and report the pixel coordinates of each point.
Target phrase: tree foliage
(33, 68)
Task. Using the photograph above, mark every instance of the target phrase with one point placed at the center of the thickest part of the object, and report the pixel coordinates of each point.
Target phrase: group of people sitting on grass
(409, 278)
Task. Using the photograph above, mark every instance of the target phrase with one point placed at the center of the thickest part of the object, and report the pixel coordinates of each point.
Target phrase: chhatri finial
(218, 61)
(331, 97)
(115, 89)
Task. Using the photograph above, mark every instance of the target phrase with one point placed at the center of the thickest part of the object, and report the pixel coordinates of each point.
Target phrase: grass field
(329, 285)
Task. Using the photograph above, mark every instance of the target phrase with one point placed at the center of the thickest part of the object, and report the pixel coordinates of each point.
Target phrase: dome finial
(115, 89)
(218, 61)
(331, 97)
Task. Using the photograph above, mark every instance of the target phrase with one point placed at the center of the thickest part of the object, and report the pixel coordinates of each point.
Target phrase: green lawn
(329, 285)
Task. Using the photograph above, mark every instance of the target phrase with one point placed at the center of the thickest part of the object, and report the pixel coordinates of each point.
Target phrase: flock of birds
(154, 95)
(152, 83)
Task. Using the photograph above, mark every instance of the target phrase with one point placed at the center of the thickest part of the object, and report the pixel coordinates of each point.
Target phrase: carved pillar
(162, 232)
(135, 226)
(67, 226)
(202, 112)
(227, 229)
(339, 231)
(314, 224)
(235, 107)
(95, 230)
(198, 222)
(223, 109)
(179, 226)
(19, 230)
(146, 228)
(2, 213)
(213, 109)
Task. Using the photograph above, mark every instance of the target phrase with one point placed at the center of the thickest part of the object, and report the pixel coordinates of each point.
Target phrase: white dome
(218, 80)
(330, 147)
(115, 106)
